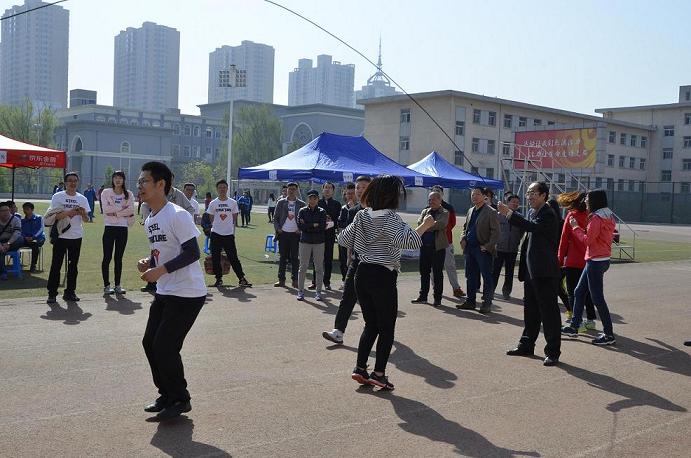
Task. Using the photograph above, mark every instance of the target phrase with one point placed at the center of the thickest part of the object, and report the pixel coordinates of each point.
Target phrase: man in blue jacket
(32, 232)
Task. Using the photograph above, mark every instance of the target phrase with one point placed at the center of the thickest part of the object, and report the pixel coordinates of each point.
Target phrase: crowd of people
(370, 235)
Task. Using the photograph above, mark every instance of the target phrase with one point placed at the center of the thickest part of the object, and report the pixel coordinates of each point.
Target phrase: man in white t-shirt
(188, 190)
(285, 223)
(76, 208)
(180, 289)
(223, 212)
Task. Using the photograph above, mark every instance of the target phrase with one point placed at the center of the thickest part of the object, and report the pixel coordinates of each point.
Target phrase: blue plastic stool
(206, 246)
(271, 243)
(16, 263)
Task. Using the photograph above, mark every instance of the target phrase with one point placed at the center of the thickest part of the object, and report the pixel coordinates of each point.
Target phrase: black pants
(244, 215)
(170, 319)
(35, 246)
(541, 307)
(227, 243)
(349, 298)
(375, 286)
(573, 274)
(271, 214)
(329, 242)
(432, 260)
(113, 236)
(343, 261)
(507, 260)
(289, 247)
(71, 247)
(561, 292)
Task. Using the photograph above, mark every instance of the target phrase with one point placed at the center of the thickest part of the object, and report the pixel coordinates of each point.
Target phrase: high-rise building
(256, 59)
(147, 68)
(80, 97)
(34, 55)
(378, 85)
(329, 83)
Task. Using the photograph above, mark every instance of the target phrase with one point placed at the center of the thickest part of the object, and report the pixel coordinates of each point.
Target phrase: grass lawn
(259, 267)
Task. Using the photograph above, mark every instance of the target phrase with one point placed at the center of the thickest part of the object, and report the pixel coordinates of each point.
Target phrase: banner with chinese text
(32, 159)
(551, 149)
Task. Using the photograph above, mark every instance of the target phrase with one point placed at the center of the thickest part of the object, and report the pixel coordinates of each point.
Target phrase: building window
(188, 130)
(561, 177)
(632, 162)
(550, 123)
(612, 136)
(622, 139)
(186, 150)
(508, 121)
(489, 172)
(405, 116)
(458, 158)
(669, 131)
(474, 170)
(196, 151)
(634, 140)
(667, 153)
(632, 185)
(641, 186)
(176, 129)
(506, 149)
(598, 182)
(610, 160)
(490, 146)
(610, 184)
(476, 116)
(492, 118)
(209, 132)
(404, 143)
(217, 133)
(460, 128)
(687, 142)
(641, 164)
(522, 121)
(475, 146)
(687, 118)
(176, 150)
(666, 175)
(620, 184)
(685, 187)
(622, 160)
(197, 131)
(125, 147)
(644, 142)
(686, 164)
(537, 122)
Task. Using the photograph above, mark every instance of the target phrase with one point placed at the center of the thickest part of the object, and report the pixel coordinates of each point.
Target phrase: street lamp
(231, 77)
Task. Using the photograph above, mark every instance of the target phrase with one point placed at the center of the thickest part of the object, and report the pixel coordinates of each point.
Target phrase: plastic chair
(16, 263)
(271, 243)
(206, 246)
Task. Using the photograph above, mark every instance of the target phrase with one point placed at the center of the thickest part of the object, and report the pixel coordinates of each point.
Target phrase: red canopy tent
(15, 154)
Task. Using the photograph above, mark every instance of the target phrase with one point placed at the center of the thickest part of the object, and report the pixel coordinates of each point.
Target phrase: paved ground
(265, 383)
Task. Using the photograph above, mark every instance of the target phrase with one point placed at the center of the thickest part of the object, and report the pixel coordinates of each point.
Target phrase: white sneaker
(120, 290)
(335, 336)
(318, 297)
(108, 290)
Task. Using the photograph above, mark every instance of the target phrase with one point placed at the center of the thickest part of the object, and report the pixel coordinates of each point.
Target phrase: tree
(108, 176)
(198, 172)
(256, 138)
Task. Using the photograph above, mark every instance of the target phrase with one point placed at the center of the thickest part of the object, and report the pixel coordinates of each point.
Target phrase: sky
(574, 55)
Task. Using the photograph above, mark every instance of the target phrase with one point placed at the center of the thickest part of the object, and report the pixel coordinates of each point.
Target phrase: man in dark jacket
(285, 223)
(507, 248)
(312, 224)
(333, 211)
(433, 250)
(539, 270)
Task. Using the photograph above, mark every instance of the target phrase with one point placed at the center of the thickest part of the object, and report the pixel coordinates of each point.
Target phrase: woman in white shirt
(271, 205)
(118, 211)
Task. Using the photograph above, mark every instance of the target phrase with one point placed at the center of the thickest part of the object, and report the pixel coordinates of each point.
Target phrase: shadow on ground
(72, 315)
(174, 438)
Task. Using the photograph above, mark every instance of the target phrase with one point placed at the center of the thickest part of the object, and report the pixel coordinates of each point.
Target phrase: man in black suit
(539, 270)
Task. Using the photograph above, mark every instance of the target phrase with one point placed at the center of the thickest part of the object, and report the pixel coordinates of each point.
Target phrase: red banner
(32, 159)
(552, 149)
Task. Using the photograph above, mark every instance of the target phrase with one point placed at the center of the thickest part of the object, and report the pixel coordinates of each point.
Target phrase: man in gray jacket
(288, 233)
(433, 250)
(507, 248)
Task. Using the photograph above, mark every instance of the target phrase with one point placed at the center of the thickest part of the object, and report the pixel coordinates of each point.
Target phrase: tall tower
(34, 54)
(378, 85)
(330, 83)
(147, 68)
(256, 59)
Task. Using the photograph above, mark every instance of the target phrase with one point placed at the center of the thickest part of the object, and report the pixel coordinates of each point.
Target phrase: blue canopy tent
(434, 164)
(335, 158)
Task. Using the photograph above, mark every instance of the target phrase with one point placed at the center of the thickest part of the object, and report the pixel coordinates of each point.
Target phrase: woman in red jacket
(572, 253)
(598, 241)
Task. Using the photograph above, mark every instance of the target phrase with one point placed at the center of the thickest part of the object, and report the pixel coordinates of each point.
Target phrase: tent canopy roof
(434, 164)
(14, 153)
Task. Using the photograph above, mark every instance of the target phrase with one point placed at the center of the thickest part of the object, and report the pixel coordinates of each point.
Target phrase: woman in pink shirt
(118, 210)
(597, 237)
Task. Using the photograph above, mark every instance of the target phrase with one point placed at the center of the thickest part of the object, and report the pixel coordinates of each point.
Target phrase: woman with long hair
(118, 210)
(376, 237)
(572, 253)
(271, 206)
(597, 237)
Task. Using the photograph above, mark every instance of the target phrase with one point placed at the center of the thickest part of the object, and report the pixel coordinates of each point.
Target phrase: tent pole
(13, 169)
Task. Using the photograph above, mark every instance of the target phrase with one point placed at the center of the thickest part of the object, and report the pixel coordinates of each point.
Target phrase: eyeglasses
(144, 181)
(532, 193)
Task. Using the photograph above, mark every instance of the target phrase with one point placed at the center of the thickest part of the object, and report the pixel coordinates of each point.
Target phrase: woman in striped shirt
(377, 236)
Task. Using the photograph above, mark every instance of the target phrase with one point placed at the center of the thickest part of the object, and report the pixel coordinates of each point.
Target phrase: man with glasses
(75, 207)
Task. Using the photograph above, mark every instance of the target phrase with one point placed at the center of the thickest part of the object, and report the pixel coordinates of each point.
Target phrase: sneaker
(458, 292)
(318, 297)
(218, 283)
(174, 410)
(486, 308)
(569, 331)
(382, 381)
(312, 286)
(71, 297)
(604, 339)
(335, 336)
(52, 300)
(569, 315)
(361, 376)
(280, 284)
(327, 286)
(582, 329)
(300, 296)
(590, 325)
(120, 290)
(436, 303)
(108, 290)
(466, 306)
(244, 283)
(419, 300)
